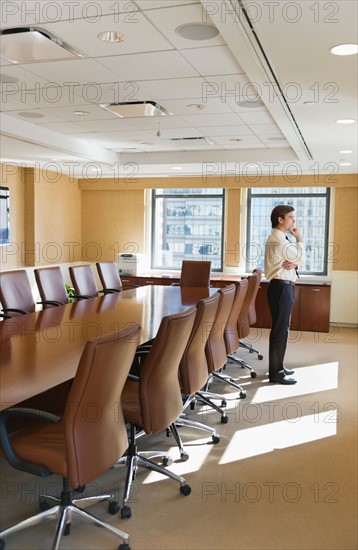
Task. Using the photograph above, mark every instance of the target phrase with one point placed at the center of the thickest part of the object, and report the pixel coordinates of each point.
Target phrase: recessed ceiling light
(345, 49)
(196, 106)
(251, 104)
(345, 164)
(177, 168)
(235, 139)
(345, 121)
(111, 36)
(30, 114)
(197, 31)
(346, 151)
(81, 113)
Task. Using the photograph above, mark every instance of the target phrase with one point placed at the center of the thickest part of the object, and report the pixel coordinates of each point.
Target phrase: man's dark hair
(280, 211)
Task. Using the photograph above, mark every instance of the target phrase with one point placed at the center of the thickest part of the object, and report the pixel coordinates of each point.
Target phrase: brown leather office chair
(51, 286)
(85, 442)
(231, 334)
(15, 294)
(247, 318)
(110, 278)
(83, 281)
(153, 400)
(195, 273)
(215, 347)
(193, 369)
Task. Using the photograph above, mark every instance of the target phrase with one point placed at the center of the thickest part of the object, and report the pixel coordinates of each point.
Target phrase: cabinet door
(314, 308)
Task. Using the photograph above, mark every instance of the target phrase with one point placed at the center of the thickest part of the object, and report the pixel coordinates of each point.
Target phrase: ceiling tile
(236, 131)
(71, 72)
(175, 88)
(256, 118)
(149, 66)
(216, 60)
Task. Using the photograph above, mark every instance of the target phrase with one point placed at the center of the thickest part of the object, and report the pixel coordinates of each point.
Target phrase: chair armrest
(5, 440)
(51, 303)
(23, 311)
(5, 316)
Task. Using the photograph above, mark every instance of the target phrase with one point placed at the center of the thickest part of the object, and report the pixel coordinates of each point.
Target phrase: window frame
(168, 195)
(5, 196)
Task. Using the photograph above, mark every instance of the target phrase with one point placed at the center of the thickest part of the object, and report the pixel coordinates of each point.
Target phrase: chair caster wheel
(185, 490)
(192, 405)
(253, 374)
(67, 530)
(167, 461)
(242, 395)
(126, 512)
(224, 419)
(124, 546)
(43, 506)
(260, 356)
(2, 544)
(113, 507)
(223, 403)
(215, 439)
(184, 456)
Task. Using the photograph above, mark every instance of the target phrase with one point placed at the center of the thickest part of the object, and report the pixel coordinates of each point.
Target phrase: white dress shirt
(277, 250)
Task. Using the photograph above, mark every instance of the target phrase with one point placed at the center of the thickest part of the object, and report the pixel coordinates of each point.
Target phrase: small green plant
(70, 293)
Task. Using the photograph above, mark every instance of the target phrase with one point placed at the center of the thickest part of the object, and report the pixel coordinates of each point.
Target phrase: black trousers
(280, 299)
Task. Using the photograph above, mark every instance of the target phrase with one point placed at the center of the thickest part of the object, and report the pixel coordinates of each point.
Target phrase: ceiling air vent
(193, 140)
(136, 109)
(29, 44)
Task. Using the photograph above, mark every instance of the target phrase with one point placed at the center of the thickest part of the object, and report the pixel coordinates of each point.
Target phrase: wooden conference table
(41, 350)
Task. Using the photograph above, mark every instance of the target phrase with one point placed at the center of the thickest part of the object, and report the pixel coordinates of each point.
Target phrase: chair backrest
(245, 320)
(109, 276)
(193, 366)
(15, 291)
(215, 348)
(159, 389)
(51, 285)
(94, 427)
(252, 306)
(83, 280)
(195, 273)
(231, 335)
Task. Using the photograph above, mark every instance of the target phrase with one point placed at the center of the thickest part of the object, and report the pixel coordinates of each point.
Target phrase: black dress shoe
(284, 380)
(288, 371)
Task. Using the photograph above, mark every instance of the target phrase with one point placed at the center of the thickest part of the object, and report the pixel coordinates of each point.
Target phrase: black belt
(282, 282)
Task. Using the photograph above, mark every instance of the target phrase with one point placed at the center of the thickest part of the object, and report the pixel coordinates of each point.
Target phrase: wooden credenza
(310, 311)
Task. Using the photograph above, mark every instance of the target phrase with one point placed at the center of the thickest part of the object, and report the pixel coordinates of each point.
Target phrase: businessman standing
(282, 259)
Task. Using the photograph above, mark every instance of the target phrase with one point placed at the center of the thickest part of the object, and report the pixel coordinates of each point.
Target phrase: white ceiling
(280, 48)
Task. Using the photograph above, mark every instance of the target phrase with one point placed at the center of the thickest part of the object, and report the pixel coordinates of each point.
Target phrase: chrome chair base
(134, 459)
(64, 514)
(242, 364)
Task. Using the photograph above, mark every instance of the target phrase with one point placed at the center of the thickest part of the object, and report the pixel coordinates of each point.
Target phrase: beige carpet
(284, 475)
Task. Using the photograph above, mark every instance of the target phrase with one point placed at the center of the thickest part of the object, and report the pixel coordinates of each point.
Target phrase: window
(187, 224)
(311, 206)
(4, 215)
